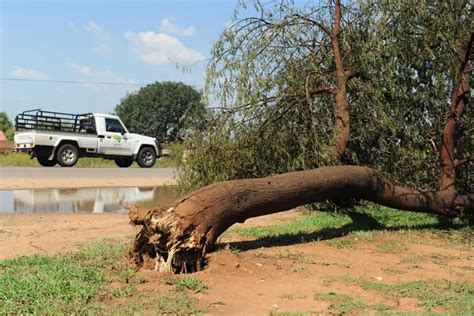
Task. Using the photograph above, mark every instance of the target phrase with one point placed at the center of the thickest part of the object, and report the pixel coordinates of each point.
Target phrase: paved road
(27, 177)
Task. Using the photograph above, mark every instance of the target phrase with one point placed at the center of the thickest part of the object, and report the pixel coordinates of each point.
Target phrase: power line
(75, 82)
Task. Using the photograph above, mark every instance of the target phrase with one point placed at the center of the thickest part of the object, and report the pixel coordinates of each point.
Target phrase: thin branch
(462, 162)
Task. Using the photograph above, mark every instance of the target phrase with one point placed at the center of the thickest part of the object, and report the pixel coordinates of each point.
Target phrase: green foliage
(6, 125)
(169, 111)
(267, 62)
(60, 284)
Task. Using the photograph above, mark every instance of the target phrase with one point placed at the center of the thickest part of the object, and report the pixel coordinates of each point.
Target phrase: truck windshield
(114, 126)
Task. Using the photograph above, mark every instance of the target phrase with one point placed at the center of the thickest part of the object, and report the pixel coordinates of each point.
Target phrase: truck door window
(114, 126)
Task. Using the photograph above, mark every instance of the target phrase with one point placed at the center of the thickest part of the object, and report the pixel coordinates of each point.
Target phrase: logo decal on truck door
(118, 139)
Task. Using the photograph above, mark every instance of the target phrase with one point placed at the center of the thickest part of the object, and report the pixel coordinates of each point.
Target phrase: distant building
(2, 136)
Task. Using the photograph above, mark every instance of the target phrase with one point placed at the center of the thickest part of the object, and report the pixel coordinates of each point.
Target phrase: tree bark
(341, 105)
(176, 238)
(459, 97)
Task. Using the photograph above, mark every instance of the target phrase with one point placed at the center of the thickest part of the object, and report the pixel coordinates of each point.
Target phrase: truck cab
(62, 138)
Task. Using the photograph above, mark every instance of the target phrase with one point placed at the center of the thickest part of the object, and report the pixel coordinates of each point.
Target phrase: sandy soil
(261, 280)
(12, 184)
(42, 178)
(55, 233)
(286, 279)
(58, 233)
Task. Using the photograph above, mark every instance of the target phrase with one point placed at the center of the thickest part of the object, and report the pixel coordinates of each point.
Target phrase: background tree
(169, 111)
(6, 125)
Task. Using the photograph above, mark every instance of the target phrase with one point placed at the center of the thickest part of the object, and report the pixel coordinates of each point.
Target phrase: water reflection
(84, 200)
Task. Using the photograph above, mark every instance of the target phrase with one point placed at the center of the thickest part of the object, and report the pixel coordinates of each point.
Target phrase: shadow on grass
(361, 222)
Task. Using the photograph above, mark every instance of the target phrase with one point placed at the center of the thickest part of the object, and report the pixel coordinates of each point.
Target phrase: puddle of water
(83, 200)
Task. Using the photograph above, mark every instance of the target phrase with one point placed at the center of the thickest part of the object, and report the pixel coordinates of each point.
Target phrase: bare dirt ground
(321, 277)
(48, 234)
(43, 178)
(341, 275)
(58, 233)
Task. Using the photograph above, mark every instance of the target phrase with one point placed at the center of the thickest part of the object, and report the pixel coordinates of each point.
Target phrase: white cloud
(169, 27)
(90, 75)
(160, 48)
(27, 73)
(103, 49)
(92, 27)
(72, 27)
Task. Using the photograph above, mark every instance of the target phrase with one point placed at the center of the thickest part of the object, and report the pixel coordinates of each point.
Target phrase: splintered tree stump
(176, 238)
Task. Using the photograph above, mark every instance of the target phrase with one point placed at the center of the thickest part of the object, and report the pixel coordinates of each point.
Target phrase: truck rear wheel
(45, 162)
(146, 157)
(124, 162)
(67, 155)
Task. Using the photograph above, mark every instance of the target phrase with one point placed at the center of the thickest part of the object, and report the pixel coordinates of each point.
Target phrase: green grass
(395, 246)
(274, 313)
(164, 304)
(305, 224)
(453, 297)
(76, 283)
(340, 303)
(187, 282)
(296, 257)
(341, 243)
(59, 284)
(24, 160)
(360, 224)
(177, 304)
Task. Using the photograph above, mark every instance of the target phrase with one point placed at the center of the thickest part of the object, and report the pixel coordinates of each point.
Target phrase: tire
(45, 162)
(146, 157)
(124, 162)
(67, 155)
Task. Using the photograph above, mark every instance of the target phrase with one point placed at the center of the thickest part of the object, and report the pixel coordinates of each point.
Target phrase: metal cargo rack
(54, 121)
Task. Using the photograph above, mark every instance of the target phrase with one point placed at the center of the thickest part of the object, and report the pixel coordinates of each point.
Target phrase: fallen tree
(176, 238)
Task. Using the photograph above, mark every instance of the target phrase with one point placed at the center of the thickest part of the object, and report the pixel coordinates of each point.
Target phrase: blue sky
(101, 41)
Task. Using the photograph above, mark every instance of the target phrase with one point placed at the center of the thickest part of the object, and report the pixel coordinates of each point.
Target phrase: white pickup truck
(61, 138)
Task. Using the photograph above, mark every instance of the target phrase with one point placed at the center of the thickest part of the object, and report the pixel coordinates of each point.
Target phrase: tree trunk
(341, 105)
(447, 159)
(459, 97)
(176, 238)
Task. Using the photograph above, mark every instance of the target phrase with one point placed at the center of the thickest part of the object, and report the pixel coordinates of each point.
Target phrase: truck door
(114, 140)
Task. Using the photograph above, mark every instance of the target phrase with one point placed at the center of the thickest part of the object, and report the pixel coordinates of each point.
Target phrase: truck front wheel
(146, 157)
(124, 162)
(45, 162)
(67, 155)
